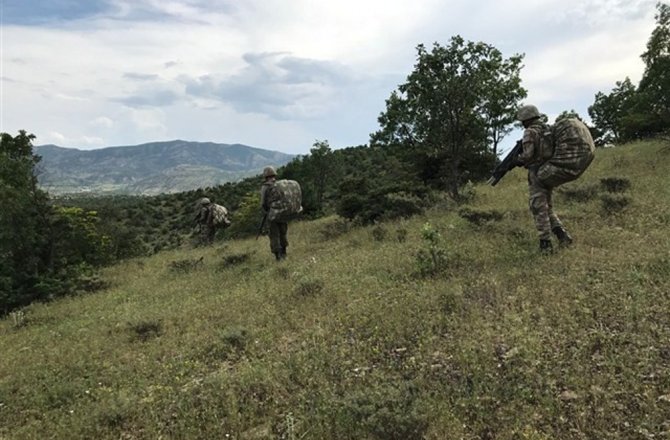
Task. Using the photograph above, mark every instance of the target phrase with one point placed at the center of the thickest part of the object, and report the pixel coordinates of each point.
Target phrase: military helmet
(204, 201)
(527, 112)
(269, 172)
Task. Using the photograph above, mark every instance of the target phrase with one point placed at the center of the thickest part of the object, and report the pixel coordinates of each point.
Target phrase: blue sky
(281, 74)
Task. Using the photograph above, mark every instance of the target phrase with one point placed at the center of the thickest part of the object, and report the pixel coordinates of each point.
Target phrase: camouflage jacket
(267, 196)
(537, 144)
(204, 216)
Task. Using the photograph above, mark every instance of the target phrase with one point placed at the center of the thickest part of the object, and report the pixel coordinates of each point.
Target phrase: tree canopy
(453, 110)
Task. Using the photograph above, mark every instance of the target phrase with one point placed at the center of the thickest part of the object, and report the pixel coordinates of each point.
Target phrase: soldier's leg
(550, 177)
(539, 205)
(275, 244)
(553, 218)
(283, 238)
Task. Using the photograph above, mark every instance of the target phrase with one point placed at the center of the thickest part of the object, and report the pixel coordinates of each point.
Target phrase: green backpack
(573, 145)
(286, 201)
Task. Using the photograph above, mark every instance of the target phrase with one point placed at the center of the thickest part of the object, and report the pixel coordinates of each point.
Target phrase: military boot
(278, 256)
(563, 237)
(283, 253)
(546, 247)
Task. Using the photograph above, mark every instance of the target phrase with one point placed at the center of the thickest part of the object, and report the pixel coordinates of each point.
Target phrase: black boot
(283, 253)
(563, 237)
(546, 247)
(278, 255)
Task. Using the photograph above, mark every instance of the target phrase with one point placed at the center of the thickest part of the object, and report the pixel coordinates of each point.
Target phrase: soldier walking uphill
(553, 156)
(209, 218)
(280, 202)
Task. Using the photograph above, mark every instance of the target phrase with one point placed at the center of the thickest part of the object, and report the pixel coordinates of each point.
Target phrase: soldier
(277, 230)
(553, 156)
(204, 218)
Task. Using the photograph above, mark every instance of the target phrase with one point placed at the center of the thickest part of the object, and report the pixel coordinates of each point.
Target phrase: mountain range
(151, 168)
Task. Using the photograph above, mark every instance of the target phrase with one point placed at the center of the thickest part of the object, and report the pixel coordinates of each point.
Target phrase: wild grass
(346, 339)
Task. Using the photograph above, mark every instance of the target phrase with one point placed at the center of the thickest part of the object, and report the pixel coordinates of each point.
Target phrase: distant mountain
(153, 168)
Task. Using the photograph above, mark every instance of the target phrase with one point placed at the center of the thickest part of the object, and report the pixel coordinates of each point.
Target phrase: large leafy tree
(654, 88)
(452, 111)
(23, 218)
(608, 111)
(630, 112)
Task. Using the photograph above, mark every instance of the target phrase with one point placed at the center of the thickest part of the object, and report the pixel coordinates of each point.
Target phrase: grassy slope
(345, 340)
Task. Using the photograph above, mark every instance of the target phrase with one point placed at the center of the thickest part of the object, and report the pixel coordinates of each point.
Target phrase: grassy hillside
(357, 337)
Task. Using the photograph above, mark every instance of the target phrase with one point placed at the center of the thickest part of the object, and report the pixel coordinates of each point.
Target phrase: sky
(282, 74)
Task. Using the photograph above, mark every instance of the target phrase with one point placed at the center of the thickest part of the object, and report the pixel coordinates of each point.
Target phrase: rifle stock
(508, 163)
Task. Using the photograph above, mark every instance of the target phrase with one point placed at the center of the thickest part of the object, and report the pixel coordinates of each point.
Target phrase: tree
(23, 218)
(629, 112)
(608, 111)
(654, 88)
(452, 111)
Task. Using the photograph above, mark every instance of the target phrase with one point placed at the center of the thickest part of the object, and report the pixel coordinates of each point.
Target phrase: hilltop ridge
(150, 168)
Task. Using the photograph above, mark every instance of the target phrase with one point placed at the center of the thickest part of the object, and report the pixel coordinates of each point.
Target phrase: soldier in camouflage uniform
(205, 220)
(277, 230)
(551, 163)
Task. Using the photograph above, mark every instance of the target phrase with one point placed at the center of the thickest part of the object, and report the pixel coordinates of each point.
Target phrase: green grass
(350, 339)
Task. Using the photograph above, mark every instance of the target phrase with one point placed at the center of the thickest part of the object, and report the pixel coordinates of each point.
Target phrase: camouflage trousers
(278, 236)
(540, 204)
(207, 234)
(542, 179)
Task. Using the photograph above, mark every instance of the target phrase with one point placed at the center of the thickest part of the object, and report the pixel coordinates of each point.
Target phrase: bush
(432, 259)
(580, 194)
(379, 233)
(480, 217)
(613, 204)
(615, 184)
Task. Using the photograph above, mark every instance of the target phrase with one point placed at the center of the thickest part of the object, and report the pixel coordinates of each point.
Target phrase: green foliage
(630, 112)
(432, 259)
(458, 100)
(246, 219)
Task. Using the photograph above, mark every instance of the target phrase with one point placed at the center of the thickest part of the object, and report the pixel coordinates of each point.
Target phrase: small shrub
(308, 287)
(480, 217)
(580, 194)
(186, 265)
(18, 318)
(236, 259)
(613, 204)
(432, 259)
(379, 233)
(334, 229)
(615, 184)
(145, 330)
(401, 235)
(389, 412)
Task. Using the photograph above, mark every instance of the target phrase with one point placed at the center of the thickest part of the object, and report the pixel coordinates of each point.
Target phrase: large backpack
(286, 201)
(219, 215)
(573, 146)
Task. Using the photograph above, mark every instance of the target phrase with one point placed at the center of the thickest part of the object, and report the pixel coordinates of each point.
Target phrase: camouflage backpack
(219, 215)
(286, 201)
(573, 145)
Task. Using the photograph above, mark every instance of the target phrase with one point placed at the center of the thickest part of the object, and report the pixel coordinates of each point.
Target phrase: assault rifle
(510, 162)
(260, 227)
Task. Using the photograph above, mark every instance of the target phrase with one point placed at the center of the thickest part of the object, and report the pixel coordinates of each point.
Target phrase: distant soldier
(210, 217)
(280, 202)
(553, 156)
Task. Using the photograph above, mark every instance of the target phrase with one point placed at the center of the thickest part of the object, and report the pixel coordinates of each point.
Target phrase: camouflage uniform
(278, 231)
(547, 170)
(205, 219)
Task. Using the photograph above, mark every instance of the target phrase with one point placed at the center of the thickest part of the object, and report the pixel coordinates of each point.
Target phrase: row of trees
(631, 112)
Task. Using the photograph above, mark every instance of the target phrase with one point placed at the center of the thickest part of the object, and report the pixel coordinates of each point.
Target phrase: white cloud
(280, 73)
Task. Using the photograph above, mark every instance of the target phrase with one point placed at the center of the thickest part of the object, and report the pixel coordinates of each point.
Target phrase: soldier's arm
(529, 142)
